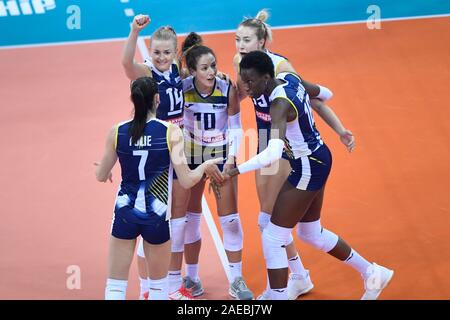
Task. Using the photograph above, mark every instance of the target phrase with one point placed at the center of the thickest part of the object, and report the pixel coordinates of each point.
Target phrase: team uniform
(205, 122)
(144, 195)
(262, 110)
(170, 93)
(309, 157)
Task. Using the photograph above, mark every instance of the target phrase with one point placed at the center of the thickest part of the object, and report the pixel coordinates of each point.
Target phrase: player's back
(146, 167)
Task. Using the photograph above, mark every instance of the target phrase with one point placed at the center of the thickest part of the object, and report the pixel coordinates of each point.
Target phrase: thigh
(268, 185)
(227, 204)
(158, 259)
(121, 253)
(180, 200)
(291, 205)
(314, 210)
(195, 201)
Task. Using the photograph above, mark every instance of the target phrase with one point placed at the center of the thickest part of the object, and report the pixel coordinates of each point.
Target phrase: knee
(314, 234)
(177, 231)
(233, 236)
(263, 220)
(275, 240)
(192, 233)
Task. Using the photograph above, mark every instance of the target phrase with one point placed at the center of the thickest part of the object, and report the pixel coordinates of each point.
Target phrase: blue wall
(104, 19)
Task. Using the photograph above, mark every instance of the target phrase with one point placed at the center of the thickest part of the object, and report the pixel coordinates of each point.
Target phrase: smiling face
(163, 53)
(206, 70)
(247, 41)
(254, 84)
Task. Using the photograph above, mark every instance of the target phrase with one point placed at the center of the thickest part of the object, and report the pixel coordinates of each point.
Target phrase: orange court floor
(389, 199)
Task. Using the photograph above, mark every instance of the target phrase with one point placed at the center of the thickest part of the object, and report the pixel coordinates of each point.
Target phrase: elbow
(101, 177)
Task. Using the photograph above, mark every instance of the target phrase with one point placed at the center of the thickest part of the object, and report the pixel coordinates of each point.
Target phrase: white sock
(175, 280)
(158, 289)
(296, 266)
(144, 285)
(235, 269)
(279, 294)
(192, 271)
(358, 263)
(116, 289)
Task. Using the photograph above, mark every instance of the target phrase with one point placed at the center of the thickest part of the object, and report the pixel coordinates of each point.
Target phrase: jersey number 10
(209, 120)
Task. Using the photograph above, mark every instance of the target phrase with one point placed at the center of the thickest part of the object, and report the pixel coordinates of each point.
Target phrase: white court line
(216, 238)
(225, 31)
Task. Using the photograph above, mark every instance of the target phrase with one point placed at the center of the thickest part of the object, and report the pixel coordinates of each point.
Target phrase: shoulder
(188, 83)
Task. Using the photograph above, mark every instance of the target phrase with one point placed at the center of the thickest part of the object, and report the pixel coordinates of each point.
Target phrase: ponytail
(143, 91)
(192, 49)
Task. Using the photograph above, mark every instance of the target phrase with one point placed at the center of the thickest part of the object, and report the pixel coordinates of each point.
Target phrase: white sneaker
(181, 294)
(377, 281)
(298, 285)
(264, 296)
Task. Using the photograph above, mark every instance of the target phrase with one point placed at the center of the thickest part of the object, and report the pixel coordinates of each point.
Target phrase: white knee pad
(263, 220)
(115, 289)
(233, 237)
(140, 248)
(177, 231)
(314, 234)
(275, 240)
(192, 227)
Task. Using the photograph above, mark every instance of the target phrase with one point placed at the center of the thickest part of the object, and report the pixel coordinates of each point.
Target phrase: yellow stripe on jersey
(193, 97)
(168, 138)
(276, 67)
(117, 137)
(159, 187)
(292, 104)
(288, 148)
(312, 158)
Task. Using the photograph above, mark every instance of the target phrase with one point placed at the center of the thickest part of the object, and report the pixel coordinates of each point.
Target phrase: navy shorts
(127, 226)
(311, 172)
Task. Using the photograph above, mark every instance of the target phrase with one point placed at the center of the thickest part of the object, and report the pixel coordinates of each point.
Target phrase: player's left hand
(348, 139)
(96, 163)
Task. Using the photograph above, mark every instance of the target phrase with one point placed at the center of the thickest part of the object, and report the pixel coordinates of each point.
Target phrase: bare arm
(324, 111)
(188, 178)
(104, 167)
(328, 115)
(280, 110)
(239, 88)
(235, 132)
(132, 69)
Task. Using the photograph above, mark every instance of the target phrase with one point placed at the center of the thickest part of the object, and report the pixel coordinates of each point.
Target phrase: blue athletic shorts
(125, 225)
(311, 172)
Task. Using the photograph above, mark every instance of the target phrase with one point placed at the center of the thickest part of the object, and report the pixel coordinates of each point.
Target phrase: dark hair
(258, 61)
(192, 49)
(143, 91)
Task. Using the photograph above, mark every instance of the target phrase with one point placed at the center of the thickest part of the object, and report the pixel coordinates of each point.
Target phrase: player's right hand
(140, 22)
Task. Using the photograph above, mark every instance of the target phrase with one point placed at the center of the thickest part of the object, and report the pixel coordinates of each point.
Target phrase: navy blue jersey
(170, 93)
(261, 105)
(302, 137)
(146, 171)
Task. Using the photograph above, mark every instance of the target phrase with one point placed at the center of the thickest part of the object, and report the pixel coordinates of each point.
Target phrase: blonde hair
(165, 33)
(262, 29)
